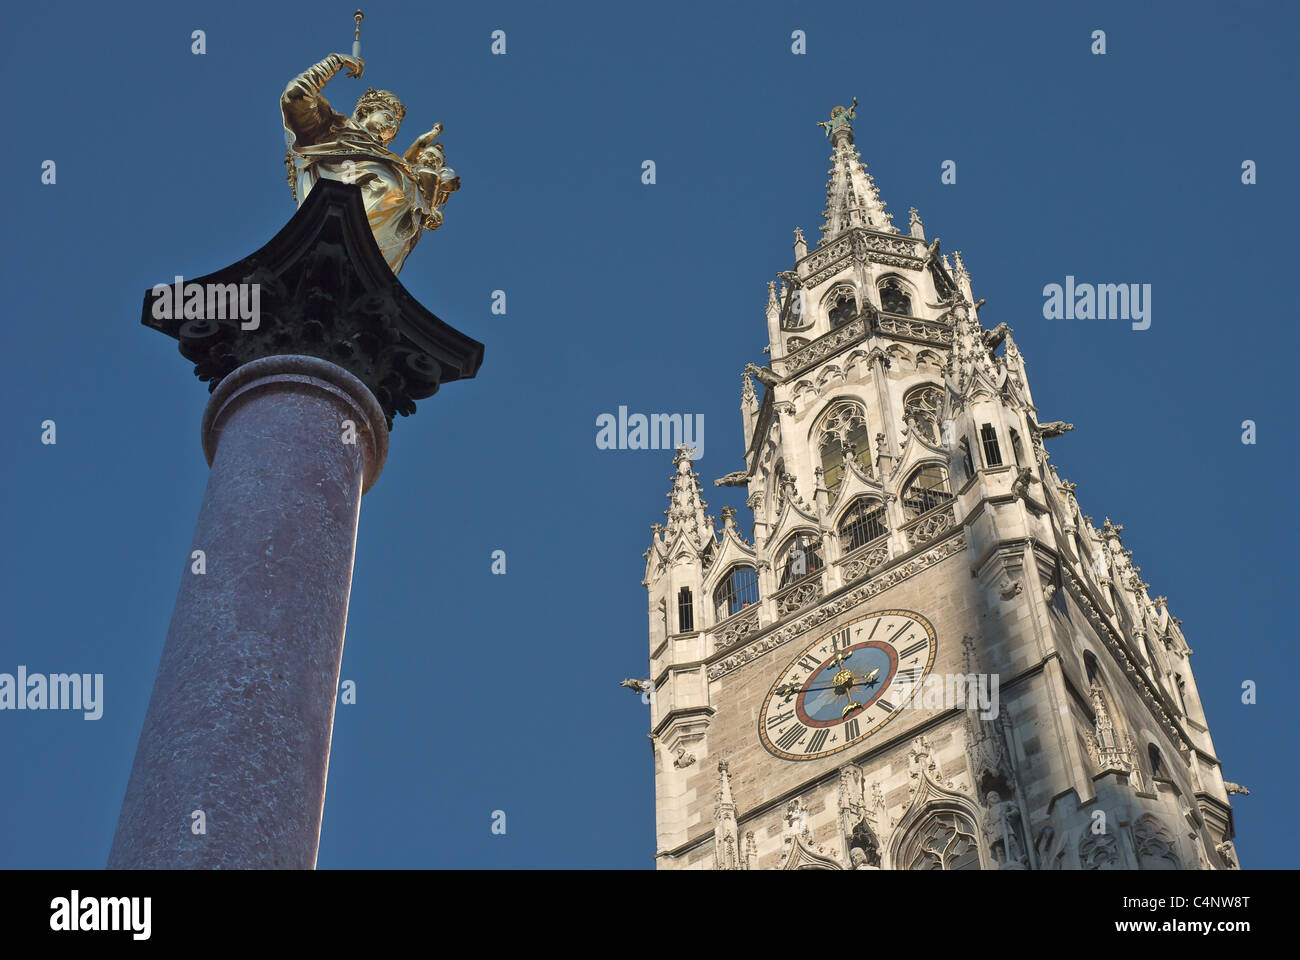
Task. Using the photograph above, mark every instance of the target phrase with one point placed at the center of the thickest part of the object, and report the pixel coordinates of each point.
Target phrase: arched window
(895, 297)
(1015, 447)
(989, 441)
(841, 306)
(921, 408)
(966, 462)
(801, 557)
(1090, 665)
(738, 589)
(844, 429)
(685, 611)
(927, 489)
(1156, 761)
(863, 522)
(944, 840)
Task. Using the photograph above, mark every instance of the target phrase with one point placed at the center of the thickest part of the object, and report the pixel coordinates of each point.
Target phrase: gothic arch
(800, 857)
(928, 487)
(842, 425)
(1154, 845)
(897, 296)
(840, 304)
(930, 798)
(865, 507)
(930, 361)
(942, 836)
(923, 405)
(789, 567)
(898, 356)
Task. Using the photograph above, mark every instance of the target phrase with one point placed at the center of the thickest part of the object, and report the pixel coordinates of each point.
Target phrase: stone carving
(924, 330)
(800, 595)
(1098, 851)
(1155, 846)
(928, 527)
(736, 628)
(725, 846)
(859, 567)
(1108, 750)
(763, 375)
(993, 338)
(1228, 854)
(1104, 630)
(1235, 788)
(824, 346)
(1005, 832)
(683, 759)
(861, 860)
(846, 601)
(796, 820)
(1020, 489)
(1056, 428)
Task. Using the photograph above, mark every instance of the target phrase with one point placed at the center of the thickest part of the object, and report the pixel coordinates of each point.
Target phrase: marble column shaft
(239, 722)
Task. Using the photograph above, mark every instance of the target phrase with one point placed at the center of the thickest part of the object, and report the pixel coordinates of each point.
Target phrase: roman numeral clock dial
(847, 684)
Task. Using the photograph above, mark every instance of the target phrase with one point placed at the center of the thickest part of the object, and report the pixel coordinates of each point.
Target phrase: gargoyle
(763, 375)
(993, 338)
(1023, 479)
(1054, 429)
(738, 479)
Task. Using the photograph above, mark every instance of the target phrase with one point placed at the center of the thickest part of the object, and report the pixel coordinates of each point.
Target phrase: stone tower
(923, 656)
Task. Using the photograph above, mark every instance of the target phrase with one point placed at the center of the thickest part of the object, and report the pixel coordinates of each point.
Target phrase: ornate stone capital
(324, 290)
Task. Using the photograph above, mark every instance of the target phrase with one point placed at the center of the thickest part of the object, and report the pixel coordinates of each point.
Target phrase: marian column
(305, 386)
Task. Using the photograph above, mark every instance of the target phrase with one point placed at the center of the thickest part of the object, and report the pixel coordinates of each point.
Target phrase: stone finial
(916, 228)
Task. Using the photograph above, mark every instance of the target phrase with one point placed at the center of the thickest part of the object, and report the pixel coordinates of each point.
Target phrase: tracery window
(894, 297)
(921, 409)
(863, 522)
(845, 428)
(927, 489)
(738, 589)
(841, 306)
(801, 557)
(944, 840)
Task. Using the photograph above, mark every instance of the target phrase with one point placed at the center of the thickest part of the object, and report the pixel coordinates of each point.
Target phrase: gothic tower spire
(852, 199)
(911, 540)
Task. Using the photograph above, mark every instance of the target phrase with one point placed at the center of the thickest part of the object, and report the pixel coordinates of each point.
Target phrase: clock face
(847, 684)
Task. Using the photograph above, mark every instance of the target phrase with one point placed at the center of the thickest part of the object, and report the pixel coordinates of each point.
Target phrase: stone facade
(896, 461)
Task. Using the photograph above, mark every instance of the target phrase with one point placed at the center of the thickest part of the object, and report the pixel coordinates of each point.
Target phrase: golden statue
(403, 195)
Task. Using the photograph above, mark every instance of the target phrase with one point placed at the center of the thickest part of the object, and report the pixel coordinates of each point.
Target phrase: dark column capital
(323, 290)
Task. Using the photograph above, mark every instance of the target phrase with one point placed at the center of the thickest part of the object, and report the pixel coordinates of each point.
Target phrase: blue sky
(479, 692)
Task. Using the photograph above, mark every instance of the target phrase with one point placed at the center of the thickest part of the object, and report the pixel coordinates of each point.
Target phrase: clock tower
(922, 655)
